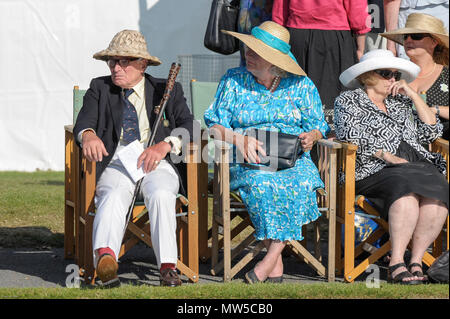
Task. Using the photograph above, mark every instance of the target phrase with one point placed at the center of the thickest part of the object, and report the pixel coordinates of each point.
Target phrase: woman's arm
(313, 119)
(349, 128)
(423, 111)
(389, 157)
(391, 10)
(443, 111)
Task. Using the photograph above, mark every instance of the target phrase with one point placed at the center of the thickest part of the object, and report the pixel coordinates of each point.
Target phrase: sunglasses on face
(122, 62)
(388, 74)
(415, 36)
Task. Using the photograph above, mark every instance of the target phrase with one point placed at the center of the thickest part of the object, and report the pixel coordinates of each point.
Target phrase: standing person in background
(425, 41)
(397, 11)
(322, 39)
(252, 13)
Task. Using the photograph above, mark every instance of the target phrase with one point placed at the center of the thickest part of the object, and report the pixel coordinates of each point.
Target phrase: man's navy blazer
(103, 111)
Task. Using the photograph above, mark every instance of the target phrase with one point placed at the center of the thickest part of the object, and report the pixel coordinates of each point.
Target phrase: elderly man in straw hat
(271, 93)
(117, 110)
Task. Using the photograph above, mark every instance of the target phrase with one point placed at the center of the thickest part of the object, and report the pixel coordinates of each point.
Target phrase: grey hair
(276, 71)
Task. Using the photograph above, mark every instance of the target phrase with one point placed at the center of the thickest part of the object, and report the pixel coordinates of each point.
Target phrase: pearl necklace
(275, 83)
(425, 76)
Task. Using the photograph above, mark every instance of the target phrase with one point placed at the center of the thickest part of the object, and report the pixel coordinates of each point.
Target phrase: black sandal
(398, 279)
(274, 280)
(418, 273)
(251, 278)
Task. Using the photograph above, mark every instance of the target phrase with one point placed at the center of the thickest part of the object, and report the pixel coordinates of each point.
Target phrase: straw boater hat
(271, 42)
(375, 60)
(420, 23)
(127, 43)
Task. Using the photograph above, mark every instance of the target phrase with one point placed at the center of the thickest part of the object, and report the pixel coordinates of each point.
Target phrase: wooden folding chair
(227, 227)
(347, 199)
(80, 211)
(202, 95)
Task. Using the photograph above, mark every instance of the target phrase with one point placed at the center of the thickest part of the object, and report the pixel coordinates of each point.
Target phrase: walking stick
(174, 69)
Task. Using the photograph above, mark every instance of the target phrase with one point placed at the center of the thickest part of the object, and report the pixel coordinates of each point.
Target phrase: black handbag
(282, 150)
(224, 15)
(438, 271)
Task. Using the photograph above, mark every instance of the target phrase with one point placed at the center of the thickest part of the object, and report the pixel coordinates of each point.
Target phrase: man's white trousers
(113, 196)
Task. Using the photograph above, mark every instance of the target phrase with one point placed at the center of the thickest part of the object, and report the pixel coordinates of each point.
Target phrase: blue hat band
(273, 42)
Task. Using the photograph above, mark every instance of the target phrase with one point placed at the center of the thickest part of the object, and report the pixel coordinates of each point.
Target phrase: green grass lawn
(32, 215)
(239, 291)
(31, 209)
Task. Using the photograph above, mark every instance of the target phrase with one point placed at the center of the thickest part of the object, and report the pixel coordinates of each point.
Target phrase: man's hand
(93, 147)
(151, 156)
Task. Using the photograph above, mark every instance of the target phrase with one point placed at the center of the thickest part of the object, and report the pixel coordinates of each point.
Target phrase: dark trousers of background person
(324, 55)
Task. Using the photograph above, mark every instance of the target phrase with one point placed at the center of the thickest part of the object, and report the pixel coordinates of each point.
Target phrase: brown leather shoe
(107, 271)
(169, 278)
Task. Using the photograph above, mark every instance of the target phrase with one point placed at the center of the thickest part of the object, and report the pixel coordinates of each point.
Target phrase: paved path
(48, 268)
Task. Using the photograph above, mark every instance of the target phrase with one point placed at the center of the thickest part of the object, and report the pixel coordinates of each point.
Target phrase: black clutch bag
(223, 16)
(282, 150)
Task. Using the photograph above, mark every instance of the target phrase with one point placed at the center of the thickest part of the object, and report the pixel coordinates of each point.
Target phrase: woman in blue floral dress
(272, 93)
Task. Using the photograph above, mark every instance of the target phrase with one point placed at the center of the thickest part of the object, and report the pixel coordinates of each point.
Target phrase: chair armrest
(329, 143)
(440, 145)
(348, 146)
(68, 128)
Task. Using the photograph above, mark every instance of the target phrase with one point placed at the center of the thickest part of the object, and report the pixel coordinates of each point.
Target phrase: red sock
(167, 265)
(106, 250)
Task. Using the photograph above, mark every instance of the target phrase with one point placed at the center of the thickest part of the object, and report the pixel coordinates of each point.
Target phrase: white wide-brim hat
(376, 60)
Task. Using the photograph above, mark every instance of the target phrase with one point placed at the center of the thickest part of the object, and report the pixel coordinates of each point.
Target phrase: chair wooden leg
(203, 250)
(69, 201)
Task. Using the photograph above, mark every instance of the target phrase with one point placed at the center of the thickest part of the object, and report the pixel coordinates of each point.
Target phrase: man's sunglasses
(122, 62)
(388, 74)
(415, 36)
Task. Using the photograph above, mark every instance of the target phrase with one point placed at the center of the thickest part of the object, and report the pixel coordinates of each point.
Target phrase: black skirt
(324, 55)
(395, 181)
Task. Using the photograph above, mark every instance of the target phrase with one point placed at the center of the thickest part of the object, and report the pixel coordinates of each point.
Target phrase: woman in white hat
(389, 122)
(271, 93)
(425, 41)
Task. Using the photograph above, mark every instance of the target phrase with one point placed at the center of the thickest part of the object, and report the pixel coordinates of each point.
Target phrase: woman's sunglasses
(388, 74)
(415, 36)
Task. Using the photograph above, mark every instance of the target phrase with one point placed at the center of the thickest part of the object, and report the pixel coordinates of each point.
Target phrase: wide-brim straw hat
(271, 42)
(420, 23)
(128, 43)
(375, 60)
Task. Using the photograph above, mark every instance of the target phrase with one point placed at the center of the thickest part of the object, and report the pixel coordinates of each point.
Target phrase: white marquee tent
(46, 48)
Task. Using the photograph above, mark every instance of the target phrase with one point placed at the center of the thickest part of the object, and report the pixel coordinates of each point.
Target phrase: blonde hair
(367, 78)
(440, 53)
(274, 70)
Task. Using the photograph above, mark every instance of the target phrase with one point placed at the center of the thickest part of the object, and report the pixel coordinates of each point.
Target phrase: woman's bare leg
(403, 217)
(269, 262)
(432, 216)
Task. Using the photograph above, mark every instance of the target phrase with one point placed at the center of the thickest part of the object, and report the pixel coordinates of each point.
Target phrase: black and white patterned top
(359, 121)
